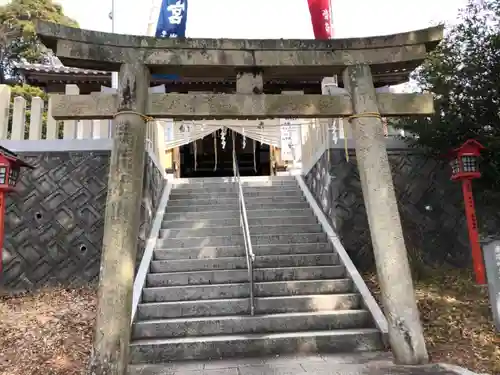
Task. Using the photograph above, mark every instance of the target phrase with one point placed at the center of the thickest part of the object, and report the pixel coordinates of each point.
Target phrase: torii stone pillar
(121, 226)
(393, 270)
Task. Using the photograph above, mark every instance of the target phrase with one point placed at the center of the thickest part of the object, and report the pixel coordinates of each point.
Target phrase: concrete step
(235, 230)
(200, 201)
(229, 189)
(275, 199)
(255, 345)
(181, 194)
(205, 252)
(291, 220)
(214, 185)
(284, 229)
(265, 239)
(190, 216)
(241, 276)
(302, 260)
(241, 306)
(175, 243)
(280, 190)
(196, 183)
(271, 192)
(270, 261)
(210, 252)
(201, 232)
(257, 205)
(241, 290)
(248, 193)
(275, 323)
(257, 239)
(235, 213)
(295, 248)
(211, 180)
(302, 287)
(234, 206)
(235, 222)
(176, 309)
(224, 200)
(245, 181)
(183, 265)
(287, 183)
(195, 292)
(283, 213)
(200, 224)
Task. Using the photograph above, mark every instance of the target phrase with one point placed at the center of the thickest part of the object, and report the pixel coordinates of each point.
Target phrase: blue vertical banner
(171, 24)
(172, 19)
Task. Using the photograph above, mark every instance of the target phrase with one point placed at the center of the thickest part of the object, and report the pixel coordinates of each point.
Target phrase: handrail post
(245, 228)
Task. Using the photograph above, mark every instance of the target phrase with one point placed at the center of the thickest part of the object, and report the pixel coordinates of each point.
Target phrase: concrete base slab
(365, 363)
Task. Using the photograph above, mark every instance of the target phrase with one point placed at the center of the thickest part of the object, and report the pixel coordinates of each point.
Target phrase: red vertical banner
(321, 18)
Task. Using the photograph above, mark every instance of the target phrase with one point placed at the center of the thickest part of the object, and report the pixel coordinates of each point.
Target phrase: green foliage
(464, 76)
(17, 33)
(28, 92)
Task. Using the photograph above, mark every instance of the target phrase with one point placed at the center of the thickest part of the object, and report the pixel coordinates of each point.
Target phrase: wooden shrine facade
(52, 79)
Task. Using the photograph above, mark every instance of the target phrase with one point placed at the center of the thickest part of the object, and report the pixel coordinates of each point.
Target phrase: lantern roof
(14, 158)
(470, 145)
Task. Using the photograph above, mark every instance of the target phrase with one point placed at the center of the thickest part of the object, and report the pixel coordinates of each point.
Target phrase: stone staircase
(195, 303)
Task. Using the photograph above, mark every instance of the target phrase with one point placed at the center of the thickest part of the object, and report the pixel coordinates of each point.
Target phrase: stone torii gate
(362, 63)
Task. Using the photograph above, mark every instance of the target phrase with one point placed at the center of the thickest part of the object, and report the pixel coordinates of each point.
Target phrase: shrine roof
(36, 73)
(395, 55)
(47, 68)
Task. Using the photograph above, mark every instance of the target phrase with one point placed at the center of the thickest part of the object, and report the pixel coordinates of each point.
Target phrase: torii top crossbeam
(247, 60)
(390, 55)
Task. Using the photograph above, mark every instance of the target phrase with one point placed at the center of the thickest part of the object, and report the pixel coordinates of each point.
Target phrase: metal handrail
(246, 230)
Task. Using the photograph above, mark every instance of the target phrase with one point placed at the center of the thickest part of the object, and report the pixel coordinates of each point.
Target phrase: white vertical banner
(168, 125)
(291, 139)
(291, 135)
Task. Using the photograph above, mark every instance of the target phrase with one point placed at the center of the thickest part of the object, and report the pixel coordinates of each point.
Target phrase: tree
(463, 73)
(17, 33)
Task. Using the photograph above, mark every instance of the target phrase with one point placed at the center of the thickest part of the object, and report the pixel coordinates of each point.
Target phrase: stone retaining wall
(54, 221)
(430, 205)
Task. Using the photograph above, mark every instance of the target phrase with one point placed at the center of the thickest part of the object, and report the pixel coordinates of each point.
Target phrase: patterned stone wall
(430, 205)
(152, 191)
(54, 222)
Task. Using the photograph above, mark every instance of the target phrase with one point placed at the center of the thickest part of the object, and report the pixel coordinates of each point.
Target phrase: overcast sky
(268, 18)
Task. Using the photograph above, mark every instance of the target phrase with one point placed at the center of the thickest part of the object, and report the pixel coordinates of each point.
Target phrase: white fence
(15, 125)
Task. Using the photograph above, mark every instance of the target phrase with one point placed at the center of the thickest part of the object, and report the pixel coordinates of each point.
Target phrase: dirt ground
(457, 320)
(49, 333)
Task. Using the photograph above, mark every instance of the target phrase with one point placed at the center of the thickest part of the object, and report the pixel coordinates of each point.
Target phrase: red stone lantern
(465, 167)
(10, 167)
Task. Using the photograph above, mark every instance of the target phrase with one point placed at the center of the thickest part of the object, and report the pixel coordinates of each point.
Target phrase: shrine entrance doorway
(212, 156)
